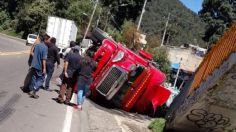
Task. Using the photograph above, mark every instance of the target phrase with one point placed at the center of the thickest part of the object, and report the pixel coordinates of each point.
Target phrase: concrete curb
(11, 37)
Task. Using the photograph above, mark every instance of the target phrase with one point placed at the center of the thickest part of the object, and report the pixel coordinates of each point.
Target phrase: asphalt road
(18, 112)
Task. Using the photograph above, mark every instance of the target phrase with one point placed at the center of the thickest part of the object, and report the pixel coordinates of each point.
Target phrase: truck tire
(99, 34)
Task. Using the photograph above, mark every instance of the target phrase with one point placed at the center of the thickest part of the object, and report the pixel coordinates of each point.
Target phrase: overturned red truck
(125, 79)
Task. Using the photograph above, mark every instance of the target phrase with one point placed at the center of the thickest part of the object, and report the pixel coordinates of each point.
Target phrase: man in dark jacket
(52, 58)
(71, 65)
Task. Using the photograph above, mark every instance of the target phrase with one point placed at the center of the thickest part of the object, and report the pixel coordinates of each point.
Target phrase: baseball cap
(76, 48)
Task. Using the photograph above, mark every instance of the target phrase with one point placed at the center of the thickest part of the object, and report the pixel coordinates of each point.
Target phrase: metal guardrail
(218, 54)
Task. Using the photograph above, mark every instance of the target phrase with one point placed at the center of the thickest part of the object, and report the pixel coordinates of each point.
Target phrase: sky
(194, 5)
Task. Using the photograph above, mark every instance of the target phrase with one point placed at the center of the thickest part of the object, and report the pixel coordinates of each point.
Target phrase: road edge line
(68, 117)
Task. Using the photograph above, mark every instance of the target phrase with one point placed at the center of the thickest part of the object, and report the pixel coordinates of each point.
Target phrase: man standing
(53, 57)
(27, 81)
(69, 79)
(72, 44)
(64, 54)
(38, 66)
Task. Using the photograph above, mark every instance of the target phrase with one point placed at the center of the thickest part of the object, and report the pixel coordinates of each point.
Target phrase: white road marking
(68, 118)
(14, 53)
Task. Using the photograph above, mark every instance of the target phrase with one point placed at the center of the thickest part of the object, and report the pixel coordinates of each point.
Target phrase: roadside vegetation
(21, 17)
(157, 125)
(30, 16)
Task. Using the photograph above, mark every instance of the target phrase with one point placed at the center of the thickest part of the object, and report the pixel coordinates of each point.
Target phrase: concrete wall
(212, 107)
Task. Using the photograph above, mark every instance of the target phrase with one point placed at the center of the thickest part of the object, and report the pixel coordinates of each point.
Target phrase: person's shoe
(33, 95)
(67, 103)
(79, 107)
(42, 87)
(30, 93)
(48, 89)
(76, 107)
(24, 89)
(60, 101)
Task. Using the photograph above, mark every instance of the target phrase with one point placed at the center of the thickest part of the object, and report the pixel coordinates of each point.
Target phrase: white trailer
(63, 30)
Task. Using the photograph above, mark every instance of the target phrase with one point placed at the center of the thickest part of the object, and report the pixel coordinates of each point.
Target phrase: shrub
(157, 125)
(3, 17)
(160, 56)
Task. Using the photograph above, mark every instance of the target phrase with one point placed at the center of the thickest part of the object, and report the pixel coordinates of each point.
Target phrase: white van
(31, 39)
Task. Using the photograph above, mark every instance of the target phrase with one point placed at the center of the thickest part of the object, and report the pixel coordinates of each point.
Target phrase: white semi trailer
(63, 30)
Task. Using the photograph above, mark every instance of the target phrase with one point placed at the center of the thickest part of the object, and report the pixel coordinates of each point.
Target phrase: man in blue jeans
(53, 57)
(38, 66)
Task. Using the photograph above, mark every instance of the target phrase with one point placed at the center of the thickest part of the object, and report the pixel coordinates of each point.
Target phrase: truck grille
(111, 81)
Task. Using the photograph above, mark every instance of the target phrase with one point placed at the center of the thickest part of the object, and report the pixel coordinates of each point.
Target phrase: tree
(9, 6)
(80, 11)
(219, 16)
(123, 9)
(184, 25)
(116, 34)
(161, 57)
(3, 17)
(153, 41)
(4, 20)
(33, 18)
(130, 34)
(60, 7)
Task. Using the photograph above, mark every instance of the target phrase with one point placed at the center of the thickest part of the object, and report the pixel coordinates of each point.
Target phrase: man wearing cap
(38, 66)
(70, 70)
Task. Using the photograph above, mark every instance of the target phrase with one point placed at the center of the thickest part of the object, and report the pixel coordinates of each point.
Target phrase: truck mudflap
(158, 97)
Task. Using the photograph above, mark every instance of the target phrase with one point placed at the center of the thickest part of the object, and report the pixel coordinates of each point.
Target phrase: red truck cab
(128, 80)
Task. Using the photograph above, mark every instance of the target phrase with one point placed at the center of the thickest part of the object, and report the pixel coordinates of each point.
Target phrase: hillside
(184, 26)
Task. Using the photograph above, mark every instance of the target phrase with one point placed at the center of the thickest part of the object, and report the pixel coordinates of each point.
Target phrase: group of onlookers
(77, 70)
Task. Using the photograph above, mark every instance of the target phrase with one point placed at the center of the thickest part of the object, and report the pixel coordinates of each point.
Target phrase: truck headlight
(119, 56)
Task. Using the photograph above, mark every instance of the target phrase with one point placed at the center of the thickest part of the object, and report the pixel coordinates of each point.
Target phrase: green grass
(11, 33)
(157, 125)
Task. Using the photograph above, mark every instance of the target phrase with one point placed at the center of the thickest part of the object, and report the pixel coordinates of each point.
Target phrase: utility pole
(141, 16)
(90, 20)
(139, 23)
(177, 75)
(163, 37)
(99, 17)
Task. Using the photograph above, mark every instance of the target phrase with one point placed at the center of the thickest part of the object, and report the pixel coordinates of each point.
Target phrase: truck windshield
(33, 36)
